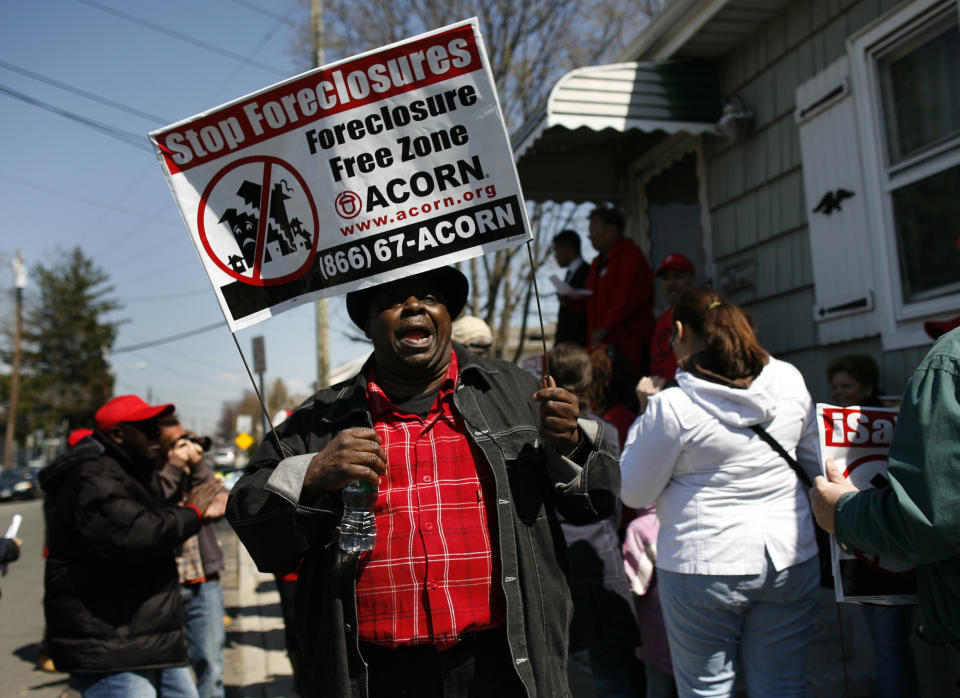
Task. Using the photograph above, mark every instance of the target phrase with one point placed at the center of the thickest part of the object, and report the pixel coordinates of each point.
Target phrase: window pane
(927, 218)
(921, 94)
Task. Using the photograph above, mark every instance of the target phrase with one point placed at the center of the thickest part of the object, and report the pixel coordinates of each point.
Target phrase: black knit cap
(447, 280)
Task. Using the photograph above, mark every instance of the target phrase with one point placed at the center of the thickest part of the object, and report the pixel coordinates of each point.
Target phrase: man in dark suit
(571, 318)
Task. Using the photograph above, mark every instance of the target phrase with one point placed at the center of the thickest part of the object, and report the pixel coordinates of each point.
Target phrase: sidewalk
(255, 656)
(257, 664)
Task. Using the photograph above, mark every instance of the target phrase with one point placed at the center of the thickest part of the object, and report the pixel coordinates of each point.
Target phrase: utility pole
(323, 305)
(19, 283)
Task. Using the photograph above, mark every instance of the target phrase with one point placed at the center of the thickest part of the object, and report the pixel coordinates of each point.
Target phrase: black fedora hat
(447, 280)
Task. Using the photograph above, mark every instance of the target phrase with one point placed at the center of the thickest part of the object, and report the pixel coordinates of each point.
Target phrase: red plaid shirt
(434, 572)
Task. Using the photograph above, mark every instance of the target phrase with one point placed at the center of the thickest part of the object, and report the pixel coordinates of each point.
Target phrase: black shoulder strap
(791, 461)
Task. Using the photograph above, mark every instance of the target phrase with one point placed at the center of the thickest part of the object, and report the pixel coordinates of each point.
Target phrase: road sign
(244, 423)
(244, 441)
(259, 355)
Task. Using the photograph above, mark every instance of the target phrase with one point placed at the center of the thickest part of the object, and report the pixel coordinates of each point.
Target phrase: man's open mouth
(415, 336)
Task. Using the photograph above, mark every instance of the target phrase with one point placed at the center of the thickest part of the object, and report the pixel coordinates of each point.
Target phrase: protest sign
(858, 439)
(363, 171)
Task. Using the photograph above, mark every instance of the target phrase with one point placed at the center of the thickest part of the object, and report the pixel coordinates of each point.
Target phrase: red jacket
(622, 300)
(663, 362)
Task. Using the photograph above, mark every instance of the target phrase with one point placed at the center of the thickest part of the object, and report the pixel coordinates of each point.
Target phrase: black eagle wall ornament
(832, 201)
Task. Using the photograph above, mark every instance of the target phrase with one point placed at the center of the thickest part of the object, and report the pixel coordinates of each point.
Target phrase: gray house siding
(755, 188)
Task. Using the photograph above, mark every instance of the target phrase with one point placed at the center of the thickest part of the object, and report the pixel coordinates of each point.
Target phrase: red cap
(677, 261)
(78, 435)
(935, 328)
(127, 408)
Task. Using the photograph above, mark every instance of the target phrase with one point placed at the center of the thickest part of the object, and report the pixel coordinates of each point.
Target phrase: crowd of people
(637, 521)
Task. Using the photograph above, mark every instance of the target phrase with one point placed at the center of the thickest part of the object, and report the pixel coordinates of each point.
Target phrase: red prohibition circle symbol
(268, 163)
(348, 204)
(872, 561)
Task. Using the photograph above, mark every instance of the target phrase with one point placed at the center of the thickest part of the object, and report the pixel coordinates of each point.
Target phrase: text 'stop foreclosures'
(409, 67)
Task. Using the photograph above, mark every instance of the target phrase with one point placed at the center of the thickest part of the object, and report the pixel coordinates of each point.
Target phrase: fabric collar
(379, 402)
(693, 365)
(351, 394)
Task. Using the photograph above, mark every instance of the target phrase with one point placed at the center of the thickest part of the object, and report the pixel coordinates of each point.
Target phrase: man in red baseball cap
(112, 598)
(937, 328)
(676, 274)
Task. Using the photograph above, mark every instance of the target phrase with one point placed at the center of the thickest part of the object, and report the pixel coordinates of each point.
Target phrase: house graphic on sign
(284, 236)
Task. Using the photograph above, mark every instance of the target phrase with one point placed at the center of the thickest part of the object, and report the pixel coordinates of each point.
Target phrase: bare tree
(530, 43)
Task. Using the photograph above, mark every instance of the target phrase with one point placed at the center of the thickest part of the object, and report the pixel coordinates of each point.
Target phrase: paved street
(22, 609)
(256, 663)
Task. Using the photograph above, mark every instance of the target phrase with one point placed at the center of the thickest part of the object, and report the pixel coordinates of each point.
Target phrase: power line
(168, 296)
(256, 49)
(137, 141)
(191, 359)
(165, 340)
(265, 13)
(82, 199)
(182, 37)
(84, 93)
(195, 378)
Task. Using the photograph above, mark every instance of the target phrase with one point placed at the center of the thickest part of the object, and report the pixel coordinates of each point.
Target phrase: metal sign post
(260, 367)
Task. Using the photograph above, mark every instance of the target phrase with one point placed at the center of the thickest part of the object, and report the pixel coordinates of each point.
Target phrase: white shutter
(840, 236)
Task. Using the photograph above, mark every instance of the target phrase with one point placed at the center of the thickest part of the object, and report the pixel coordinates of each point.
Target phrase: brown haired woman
(737, 560)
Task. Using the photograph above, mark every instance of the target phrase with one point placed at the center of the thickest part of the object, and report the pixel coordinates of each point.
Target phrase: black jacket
(494, 398)
(112, 598)
(572, 321)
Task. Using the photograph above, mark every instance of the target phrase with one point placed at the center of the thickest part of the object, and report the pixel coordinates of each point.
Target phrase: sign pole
(263, 412)
(260, 367)
(536, 293)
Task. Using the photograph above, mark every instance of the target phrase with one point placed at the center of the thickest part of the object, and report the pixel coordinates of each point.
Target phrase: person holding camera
(200, 559)
(111, 597)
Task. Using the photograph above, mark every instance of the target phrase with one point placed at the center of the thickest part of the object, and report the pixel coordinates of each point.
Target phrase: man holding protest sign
(463, 593)
(915, 519)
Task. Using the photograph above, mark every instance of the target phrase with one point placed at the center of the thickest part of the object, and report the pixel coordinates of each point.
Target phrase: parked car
(224, 458)
(230, 479)
(17, 483)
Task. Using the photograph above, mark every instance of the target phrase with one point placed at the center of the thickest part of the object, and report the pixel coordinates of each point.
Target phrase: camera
(203, 441)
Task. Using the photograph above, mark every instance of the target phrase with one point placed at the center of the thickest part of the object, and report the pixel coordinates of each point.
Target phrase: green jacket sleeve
(917, 518)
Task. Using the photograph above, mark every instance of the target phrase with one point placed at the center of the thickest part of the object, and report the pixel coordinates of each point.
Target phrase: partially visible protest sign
(858, 439)
(363, 171)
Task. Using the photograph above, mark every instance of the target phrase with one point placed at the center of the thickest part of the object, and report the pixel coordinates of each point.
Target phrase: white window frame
(902, 322)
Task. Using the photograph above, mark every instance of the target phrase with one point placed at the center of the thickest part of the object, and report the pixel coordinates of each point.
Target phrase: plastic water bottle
(358, 528)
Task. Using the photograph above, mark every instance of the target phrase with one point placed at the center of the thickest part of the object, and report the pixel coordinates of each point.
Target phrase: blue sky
(63, 183)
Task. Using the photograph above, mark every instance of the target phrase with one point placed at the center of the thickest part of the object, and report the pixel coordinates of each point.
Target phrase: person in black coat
(112, 598)
(9, 551)
(571, 317)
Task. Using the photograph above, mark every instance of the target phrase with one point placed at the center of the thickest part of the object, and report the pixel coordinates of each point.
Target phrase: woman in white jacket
(737, 558)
